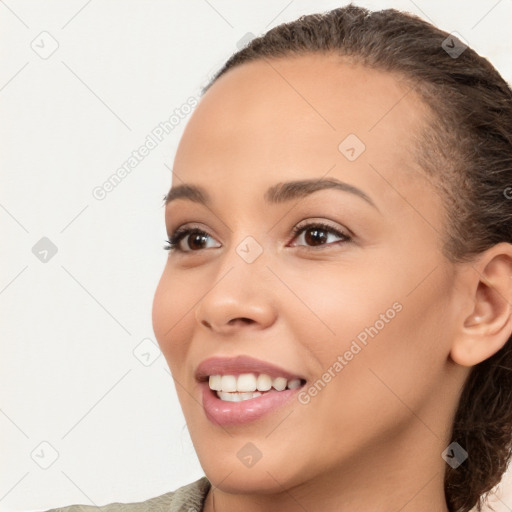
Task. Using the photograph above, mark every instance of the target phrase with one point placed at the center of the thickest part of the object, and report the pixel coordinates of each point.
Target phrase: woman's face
(360, 309)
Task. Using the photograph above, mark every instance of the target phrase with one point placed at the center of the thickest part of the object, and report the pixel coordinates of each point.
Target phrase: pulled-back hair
(465, 149)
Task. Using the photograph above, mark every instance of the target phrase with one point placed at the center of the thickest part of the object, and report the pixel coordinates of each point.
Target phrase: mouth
(246, 386)
(239, 390)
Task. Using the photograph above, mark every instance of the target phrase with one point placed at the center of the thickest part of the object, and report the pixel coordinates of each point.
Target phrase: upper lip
(238, 365)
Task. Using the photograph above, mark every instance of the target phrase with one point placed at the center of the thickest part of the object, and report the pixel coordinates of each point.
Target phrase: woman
(336, 306)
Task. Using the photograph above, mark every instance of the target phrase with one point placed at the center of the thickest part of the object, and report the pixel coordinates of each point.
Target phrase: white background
(70, 325)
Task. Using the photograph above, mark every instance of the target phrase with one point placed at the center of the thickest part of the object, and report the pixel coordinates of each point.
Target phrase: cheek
(389, 332)
(404, 350)
(341, 302)
(171, 305)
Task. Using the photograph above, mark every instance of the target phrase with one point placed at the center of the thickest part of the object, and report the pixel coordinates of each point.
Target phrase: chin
(265, 477)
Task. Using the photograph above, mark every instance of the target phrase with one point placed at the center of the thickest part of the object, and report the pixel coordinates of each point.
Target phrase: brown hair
(466, 149)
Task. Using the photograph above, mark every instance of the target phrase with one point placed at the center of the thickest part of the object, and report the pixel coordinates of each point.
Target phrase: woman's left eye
(317, 234)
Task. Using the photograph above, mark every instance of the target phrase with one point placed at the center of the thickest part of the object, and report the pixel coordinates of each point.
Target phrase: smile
(233, 388)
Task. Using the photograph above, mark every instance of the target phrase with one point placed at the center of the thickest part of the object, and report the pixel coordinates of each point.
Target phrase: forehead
(302, 117)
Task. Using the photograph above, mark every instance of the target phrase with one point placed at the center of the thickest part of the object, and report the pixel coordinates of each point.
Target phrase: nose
(239, 298)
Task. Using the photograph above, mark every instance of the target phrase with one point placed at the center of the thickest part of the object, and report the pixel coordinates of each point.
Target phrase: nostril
(241, 319)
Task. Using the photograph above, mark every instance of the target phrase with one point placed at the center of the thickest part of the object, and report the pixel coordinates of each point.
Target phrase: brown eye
(194, 240)
(315, 236)
(319, 234)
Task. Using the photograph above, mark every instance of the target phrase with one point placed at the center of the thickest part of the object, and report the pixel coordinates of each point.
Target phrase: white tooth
(227, 397)
(228, 383)
(279, 383)
(237, 397)
(215, 382)
(246, 382)
(264, 382)
(294, 383)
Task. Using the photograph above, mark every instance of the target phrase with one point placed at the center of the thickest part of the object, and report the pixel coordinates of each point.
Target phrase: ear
(488, 326)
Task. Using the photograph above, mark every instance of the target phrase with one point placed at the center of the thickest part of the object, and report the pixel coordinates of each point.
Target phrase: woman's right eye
(194, 238)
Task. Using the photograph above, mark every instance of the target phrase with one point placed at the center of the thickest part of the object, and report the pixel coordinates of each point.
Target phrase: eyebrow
(279, 193)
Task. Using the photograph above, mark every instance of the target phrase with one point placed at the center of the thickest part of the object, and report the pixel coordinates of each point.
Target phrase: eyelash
(175, 239)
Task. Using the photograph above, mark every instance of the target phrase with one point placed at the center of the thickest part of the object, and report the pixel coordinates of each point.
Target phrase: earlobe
(488, 327)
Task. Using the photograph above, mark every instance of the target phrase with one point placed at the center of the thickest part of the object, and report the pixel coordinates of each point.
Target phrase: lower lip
(225, 413)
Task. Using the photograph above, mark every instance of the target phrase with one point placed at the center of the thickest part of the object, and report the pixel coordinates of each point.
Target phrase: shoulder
(188, 498)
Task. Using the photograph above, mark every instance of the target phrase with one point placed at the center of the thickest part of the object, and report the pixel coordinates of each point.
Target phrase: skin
(370, 440)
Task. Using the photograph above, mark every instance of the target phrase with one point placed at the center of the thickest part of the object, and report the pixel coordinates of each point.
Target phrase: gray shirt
(189, 498)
